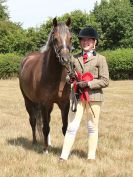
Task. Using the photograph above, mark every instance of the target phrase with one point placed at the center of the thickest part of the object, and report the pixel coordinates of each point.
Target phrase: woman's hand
(83, 84)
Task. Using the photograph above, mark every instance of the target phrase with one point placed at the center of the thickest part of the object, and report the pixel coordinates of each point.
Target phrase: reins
(71, 70)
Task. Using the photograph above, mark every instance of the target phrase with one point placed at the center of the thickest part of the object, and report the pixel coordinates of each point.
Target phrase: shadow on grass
(79, 153)
(26, 144)
(38, 148)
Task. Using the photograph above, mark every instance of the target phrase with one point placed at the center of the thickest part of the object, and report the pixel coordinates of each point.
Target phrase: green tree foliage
(9, 65)
(116, 19)
(112, 19)
(131, 1)
(120, 63)
(13, 37)
(16, 39)
(31, 40)
(43, 32)
(3, 11)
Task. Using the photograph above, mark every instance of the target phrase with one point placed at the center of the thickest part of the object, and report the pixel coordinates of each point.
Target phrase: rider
(93, 65)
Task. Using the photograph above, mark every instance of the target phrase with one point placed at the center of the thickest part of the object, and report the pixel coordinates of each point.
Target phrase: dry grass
(18, 158)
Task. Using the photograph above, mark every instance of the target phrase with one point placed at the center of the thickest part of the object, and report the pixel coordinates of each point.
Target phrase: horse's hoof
(45, 151)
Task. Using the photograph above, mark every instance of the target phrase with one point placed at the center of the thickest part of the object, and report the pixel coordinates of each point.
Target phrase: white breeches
(74, 119)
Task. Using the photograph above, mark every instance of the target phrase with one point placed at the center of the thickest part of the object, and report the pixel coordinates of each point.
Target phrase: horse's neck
(55, 73)
(51, 64)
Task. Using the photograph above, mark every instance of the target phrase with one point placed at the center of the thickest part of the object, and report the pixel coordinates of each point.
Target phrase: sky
(32, 13)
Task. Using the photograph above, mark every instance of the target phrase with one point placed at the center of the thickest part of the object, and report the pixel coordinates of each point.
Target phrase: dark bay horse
(42, 80)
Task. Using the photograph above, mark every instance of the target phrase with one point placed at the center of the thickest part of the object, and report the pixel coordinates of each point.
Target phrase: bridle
(58, 50)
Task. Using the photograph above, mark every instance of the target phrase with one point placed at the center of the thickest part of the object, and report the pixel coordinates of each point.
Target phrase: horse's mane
(46, 47)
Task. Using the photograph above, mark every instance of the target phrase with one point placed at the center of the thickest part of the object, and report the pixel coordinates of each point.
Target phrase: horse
(42, 80)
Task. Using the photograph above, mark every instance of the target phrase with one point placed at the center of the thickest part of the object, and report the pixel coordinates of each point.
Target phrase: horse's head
(61, 38)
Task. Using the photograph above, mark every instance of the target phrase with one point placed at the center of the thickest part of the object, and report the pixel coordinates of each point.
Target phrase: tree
(15, 39)
(3, 11)
(43, 33)
(131, 1)
(116, 19)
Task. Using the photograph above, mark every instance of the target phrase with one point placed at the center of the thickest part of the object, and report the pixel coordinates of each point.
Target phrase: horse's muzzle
(65, 57)
(65, 60)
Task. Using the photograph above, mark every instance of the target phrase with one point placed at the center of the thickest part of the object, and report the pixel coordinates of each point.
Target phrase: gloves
(70, 78)
(83, 84)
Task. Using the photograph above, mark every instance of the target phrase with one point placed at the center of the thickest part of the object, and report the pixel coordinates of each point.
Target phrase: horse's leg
(32, 109)
(46, 110)
(64, 107)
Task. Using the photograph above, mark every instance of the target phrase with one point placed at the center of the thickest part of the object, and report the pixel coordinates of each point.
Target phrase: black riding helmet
(88, 32)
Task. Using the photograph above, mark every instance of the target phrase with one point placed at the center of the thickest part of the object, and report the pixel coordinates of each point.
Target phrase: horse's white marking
(49, 140)
(64, 44)
(45, 152)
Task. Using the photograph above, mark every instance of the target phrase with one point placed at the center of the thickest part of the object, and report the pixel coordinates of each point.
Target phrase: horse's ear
(68, 22)
(55, 22)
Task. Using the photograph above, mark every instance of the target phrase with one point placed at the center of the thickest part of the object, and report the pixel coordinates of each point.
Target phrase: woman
(94, 66)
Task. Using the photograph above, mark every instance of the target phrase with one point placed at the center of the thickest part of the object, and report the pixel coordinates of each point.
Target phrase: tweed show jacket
(98, 67)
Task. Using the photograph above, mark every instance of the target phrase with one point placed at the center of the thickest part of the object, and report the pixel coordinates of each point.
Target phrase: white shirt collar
(89, 53)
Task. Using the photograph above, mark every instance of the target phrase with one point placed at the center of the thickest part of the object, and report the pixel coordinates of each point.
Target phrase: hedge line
(9, 65)
(120, 64)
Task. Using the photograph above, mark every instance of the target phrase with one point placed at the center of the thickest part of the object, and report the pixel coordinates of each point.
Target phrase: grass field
(19, 158)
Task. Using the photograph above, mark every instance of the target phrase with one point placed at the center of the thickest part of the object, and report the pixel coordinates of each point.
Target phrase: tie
(85, 56)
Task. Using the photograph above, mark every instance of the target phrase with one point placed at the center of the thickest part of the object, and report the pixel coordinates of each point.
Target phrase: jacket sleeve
(103, 75)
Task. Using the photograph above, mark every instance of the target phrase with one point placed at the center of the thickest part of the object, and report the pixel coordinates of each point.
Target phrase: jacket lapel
(80, 58)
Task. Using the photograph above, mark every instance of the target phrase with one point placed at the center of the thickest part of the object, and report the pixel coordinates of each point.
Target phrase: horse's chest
(47, 94)
(54, 94)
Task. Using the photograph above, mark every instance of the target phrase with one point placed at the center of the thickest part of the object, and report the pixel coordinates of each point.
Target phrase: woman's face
(87, 44)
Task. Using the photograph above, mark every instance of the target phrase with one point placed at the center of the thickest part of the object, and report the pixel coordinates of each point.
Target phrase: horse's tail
(39, 124)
